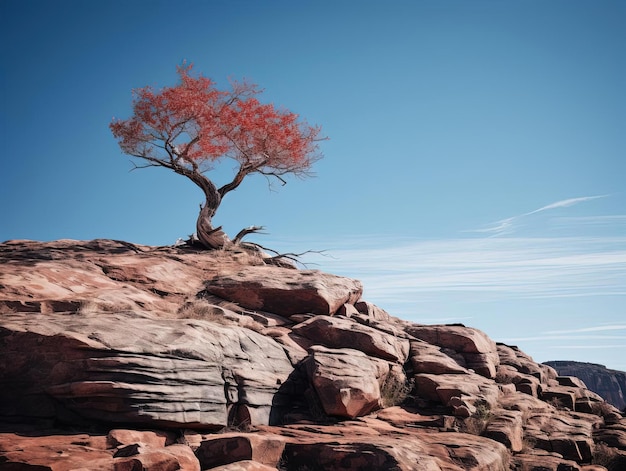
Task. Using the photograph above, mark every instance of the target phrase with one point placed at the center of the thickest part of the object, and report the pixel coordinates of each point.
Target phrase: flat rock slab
(338, 332)
(286, 291)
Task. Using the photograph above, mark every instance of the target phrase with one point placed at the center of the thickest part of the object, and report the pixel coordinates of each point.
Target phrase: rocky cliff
(609, 384)
(116, 356)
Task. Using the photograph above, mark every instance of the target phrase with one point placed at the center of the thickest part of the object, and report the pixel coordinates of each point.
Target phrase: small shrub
(528, 444)
(606, 456)
(395, 390)
(477, 423)
(603, 409)
(202, 310)
(555, 402)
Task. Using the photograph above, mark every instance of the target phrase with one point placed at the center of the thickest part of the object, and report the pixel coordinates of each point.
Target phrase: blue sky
(475, 170)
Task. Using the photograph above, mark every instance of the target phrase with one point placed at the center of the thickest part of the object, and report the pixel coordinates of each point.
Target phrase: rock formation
(609, 384)
(116, 356)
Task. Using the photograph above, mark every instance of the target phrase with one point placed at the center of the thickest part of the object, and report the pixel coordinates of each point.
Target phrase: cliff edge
(118, 356)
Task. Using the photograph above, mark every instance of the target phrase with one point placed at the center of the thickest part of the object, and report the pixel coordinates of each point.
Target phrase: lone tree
(189, 127)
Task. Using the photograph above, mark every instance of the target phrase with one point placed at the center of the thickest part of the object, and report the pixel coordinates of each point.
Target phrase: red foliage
(189, 126)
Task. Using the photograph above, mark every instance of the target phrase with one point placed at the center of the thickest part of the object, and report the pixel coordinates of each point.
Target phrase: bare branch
(246, 231)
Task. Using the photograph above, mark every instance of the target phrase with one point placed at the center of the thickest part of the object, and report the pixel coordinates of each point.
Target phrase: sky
(474, 172)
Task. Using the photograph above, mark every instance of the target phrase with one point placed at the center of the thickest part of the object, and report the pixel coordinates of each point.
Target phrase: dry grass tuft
(201, 309)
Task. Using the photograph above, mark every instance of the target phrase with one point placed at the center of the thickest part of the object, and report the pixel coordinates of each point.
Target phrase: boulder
(471, 389)
(506, 427)
(372, 311)
(427, 358)
(537, 461)
(565, 433)
(285, 291)
(346, 381)
(338, 332)
(223, 449)
(478, 350)
(173, 457)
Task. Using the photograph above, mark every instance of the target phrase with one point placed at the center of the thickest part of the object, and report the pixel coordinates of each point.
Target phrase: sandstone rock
(120, 437)
(372, 311)
(427, 358)
(478, 350)
(561, 396)
(525, 383)
(173, 457)
(335, 332)
(103, 334)
(127, 368)
(471, 388)
(345, 380)
(506, 427)
(403, 417)
(223, 449)
(562, 432)
(284, 291)
(610, 384)
(469, 451)
(611, 435)
(54, 452)
(571, 381)
(543, 462)
(244, 466)
(523, 363)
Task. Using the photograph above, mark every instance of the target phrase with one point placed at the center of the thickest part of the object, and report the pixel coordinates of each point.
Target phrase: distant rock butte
(609, 384)
(117, 356)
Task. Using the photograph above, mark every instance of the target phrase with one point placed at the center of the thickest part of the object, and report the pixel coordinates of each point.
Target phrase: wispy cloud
(487, 268)
(565, 203)
(508, 225)
(517, 289)
(597, 328)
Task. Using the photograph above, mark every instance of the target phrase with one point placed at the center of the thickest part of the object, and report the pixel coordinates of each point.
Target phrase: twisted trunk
(209, 236)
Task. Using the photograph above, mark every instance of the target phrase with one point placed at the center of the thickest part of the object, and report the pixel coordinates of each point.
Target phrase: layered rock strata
(116, 356)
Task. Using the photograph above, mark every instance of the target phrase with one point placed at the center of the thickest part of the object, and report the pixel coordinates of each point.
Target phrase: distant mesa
(609, 384)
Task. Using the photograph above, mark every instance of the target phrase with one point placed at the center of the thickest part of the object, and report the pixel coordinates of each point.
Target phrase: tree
(189, 127)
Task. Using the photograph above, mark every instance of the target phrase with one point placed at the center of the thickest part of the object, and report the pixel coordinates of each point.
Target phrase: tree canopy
(191, 126)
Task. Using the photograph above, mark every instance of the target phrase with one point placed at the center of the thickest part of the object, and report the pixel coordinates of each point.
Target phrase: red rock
(244, 466)
(345, 380)
(123, 437)
(335, 332)
(562, 432)
(471, 388)
(402, 417)
(171, 458)
(506, 427)
(107, 333)
(372, 311)
(427, 358)
(543, 462)
(126, 368)
(478, 350)
(284, 291)
(223, 449)
(54, 453)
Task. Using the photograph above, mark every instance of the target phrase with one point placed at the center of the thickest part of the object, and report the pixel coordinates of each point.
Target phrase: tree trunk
(210, 237)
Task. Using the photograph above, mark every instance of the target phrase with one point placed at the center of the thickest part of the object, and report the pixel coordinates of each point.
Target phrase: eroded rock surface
(117, 356)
